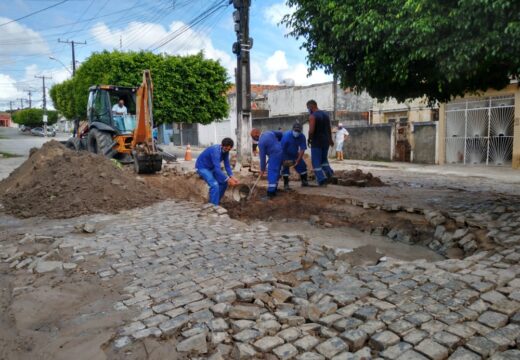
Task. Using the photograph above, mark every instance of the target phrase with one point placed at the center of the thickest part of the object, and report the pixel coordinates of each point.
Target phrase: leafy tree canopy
(34, 117)
(411, 48)
(188, 89)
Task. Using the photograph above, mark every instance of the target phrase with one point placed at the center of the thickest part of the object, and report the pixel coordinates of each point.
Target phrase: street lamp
(58, 60)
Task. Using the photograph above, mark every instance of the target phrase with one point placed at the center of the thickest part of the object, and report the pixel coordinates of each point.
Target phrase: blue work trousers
(273, 172)
(301, 168)
(320, 163)
(216, 189)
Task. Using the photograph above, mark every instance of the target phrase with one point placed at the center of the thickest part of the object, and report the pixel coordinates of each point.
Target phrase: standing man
(320, 138)
(119, 108)
(293, 147)
(341, 135)
(269, 146)
(208, 167)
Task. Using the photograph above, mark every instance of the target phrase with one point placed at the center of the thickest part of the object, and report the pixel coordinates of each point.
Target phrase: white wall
(214, 133)
(292, 101)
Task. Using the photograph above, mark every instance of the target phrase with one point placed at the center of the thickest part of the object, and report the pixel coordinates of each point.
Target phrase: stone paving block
(418, 318)
(286, 351)
(412, 355)
(196, 344)
(507, 355)
(132, 328)
(172, 325)
(355, 339)
(281, 295)
(199, 305)
(482, 346)
(331, 347)
(329, 319)
(244, 312)
(507, 307)
(247, 335)
(414, 337)
(366, 313)
(122, 342)
(290, 334)
(348, 324)
(246, 295)
(371, 327)
(144, 333)
(493, 319)
(227, 296)
(464, 354)
(155, 320)
(515, 319)
(432, 349)
(461, 330)
(269, 327)
(433, 326)
(310, 356)
(401, 327)
(243, 351)
(267, 343)
(218, 325)
(394, 351)
(493, 297)
(383, 340)
(307, 343)
(446, 339)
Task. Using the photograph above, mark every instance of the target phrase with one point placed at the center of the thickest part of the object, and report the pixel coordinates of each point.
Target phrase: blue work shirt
(269, 145)
(291, 146)
(211, 158)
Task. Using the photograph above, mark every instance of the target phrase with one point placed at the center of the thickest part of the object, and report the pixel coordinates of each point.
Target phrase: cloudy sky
(29, 35)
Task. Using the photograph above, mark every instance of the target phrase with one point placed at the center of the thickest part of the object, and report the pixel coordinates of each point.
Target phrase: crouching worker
(294, 146)
(270, 147)
(208, 166)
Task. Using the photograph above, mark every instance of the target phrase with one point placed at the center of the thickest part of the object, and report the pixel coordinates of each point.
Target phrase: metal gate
(480, 131)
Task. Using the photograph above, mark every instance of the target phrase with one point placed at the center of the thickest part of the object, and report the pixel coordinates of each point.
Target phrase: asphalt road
(13, 142)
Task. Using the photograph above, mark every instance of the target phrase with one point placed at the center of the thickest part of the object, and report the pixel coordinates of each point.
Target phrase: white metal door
(480, 131)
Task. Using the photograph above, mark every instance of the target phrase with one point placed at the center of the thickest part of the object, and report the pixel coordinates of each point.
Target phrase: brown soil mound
(356, 178)
(59, 183)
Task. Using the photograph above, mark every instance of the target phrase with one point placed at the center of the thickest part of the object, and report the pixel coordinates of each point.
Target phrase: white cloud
(9, 88)
(18, 39)
(278, 70)
(140, 36)
(275, 13)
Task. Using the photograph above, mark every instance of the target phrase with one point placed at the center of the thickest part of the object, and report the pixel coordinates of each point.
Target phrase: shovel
(253, 187)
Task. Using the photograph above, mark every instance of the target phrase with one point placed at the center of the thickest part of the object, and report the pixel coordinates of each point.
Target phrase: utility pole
(11, 106)
(29, 92)
(334, 97)
(242, 48)
(44, 101)
(21, 103)
(72, 43)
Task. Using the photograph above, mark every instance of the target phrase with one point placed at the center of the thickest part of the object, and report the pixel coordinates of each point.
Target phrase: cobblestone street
(224, 290)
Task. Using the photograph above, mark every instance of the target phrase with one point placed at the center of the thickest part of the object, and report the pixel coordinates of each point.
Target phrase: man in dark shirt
(320, 138)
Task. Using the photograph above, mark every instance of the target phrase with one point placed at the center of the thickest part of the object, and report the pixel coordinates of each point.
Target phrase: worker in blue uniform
(209, 168)
(269, 146)
(293, 147)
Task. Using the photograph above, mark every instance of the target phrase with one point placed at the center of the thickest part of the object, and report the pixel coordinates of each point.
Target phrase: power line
(34, 13)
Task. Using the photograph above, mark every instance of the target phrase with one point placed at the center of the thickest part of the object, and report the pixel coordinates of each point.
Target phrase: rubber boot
(286, 183)
(338, 155)
(305, 182)
(341, 155)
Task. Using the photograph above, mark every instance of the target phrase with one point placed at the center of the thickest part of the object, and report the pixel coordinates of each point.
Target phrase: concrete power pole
(243, 80)
(72, 43)
(44, 102)
(21, 103)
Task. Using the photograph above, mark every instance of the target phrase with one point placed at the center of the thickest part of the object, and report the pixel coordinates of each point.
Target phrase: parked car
(25, 129)
(38, 131)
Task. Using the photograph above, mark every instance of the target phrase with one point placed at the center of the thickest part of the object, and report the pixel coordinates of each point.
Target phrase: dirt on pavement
(60, 183)
(356, 178)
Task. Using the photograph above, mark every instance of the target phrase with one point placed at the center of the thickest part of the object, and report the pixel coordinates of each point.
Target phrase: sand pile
(356, 178)
(60, 183)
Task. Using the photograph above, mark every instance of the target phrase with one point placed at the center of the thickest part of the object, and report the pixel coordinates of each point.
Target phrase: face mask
(295, 133)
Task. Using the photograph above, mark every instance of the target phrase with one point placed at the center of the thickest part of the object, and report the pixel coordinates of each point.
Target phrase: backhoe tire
(99, 142)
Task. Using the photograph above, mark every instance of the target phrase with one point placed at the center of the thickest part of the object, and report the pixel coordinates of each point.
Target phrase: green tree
(188, 89)
(410, 48)
(34, 117)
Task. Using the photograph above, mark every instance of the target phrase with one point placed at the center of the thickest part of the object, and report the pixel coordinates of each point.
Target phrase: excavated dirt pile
(356, 178)
(60, 183)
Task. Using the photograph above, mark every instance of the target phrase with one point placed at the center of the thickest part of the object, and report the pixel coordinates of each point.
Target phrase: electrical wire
(34, 13)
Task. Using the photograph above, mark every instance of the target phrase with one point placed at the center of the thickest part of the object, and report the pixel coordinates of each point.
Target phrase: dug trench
(323, 217)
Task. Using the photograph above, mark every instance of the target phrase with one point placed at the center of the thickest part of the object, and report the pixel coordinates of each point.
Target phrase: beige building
(404, 116)
(481, 129)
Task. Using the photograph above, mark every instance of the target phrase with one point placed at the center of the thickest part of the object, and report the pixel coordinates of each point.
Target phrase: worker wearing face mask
(294, 145)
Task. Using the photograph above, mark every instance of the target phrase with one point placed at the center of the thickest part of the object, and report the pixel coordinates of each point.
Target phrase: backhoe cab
(125, 137)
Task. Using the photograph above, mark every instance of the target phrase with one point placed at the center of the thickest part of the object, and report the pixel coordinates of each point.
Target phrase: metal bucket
(240, 192)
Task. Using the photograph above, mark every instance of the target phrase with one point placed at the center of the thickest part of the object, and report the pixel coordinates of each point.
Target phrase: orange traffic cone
(187, 155)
